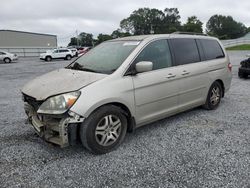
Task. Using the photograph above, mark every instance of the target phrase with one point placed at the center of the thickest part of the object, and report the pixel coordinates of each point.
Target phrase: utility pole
(77, 42)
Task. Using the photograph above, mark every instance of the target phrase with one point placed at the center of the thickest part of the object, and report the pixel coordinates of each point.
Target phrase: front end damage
(57, 129)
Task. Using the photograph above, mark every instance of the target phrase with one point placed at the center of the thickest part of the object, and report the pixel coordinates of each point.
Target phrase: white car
(57, 54)
(7, 57)
(74, 51)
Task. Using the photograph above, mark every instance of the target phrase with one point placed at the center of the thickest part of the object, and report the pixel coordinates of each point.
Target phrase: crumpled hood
(59, 81)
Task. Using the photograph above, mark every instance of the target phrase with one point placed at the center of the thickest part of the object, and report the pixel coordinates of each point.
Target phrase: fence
(235, 42)
(24, 51)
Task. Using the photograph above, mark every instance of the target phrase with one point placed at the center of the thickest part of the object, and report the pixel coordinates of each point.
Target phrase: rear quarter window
(212, 49)
(185, 51)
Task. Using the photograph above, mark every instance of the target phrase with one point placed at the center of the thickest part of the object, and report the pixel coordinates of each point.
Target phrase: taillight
(230, 66)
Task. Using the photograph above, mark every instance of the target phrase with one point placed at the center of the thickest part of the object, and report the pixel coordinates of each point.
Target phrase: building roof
(14, 31)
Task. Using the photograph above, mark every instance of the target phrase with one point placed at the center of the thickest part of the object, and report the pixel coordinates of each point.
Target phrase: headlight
(59, 104)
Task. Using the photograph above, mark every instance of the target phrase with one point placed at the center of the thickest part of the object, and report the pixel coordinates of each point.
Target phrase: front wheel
(214, 96)
(104, 130)
(7, 60)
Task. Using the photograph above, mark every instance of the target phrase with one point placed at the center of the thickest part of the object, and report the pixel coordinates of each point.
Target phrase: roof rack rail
(189, 33)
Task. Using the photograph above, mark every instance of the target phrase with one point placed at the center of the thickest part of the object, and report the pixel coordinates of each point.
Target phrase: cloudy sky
(64, 17)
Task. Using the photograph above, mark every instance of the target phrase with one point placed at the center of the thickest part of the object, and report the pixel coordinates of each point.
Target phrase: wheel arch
(48, 56)
(222, 85)
(124, 108)
(7, 58)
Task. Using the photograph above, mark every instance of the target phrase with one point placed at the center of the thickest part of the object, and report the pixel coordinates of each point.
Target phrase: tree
(119, 33)
(141, 21)
(171, 22)
(102, 37)
(84, 39)
(225, 27)
(73, 41)
(148, 21)
(193, 25)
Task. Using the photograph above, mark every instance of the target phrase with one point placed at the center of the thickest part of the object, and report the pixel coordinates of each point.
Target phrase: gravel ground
(197, 148)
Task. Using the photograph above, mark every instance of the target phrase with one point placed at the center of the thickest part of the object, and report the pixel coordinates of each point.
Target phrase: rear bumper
(57, 130)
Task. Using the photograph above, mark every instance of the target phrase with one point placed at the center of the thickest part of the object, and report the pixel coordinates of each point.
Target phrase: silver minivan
(125, 83)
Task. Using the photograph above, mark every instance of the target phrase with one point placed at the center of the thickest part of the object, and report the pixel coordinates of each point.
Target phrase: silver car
(125, 83)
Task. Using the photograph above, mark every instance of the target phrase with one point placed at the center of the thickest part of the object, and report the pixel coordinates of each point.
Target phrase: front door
(156, 91)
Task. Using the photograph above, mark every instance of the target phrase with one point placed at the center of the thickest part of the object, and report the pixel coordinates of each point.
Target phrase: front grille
(32, 101)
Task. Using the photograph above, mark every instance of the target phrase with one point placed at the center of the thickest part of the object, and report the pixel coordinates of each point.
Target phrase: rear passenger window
(158, 53)
(212, 49)
(185, 50)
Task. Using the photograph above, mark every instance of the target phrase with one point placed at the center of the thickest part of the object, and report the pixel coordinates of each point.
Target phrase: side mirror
(144, 66)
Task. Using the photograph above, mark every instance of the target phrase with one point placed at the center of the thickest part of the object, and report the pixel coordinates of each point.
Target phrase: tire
(48, 58)
(214, 96)
(104, 130)
(68, 57)
(7, 60)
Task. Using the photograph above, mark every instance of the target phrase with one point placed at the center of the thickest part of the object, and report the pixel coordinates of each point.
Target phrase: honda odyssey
(125, 83)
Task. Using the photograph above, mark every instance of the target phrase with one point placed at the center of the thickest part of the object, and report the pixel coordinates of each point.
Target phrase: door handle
(185, 73)
(170, 75)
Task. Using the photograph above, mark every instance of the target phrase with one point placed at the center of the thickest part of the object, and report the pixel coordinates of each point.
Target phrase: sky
(64, 17)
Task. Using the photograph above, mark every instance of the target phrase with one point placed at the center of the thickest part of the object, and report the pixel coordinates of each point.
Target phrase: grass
(240, 47)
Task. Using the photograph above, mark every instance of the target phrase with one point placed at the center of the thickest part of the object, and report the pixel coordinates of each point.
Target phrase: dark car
(244, 69)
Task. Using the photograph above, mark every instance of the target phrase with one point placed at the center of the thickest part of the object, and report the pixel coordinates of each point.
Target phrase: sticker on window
(131, 43)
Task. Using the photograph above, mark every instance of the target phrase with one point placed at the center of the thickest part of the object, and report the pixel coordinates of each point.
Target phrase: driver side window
(158, 53)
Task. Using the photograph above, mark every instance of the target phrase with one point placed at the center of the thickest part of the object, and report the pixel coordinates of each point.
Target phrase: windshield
(106, 57)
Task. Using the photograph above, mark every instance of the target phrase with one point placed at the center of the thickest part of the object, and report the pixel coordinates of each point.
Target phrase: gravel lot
(198, 148)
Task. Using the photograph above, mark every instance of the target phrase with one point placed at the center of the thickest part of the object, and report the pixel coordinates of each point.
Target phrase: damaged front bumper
(60, 130)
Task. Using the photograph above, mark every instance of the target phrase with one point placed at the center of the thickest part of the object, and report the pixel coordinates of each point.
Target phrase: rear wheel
(214, 96)
(104, 130)
(7, 60)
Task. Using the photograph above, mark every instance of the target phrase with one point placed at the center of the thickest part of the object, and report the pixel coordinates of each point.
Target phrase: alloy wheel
(108, 130)
(215, 96)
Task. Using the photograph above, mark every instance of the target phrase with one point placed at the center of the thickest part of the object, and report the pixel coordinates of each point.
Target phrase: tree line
(153, 21)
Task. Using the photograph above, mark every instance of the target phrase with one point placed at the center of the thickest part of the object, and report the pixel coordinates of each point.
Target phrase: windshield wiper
(78, 66)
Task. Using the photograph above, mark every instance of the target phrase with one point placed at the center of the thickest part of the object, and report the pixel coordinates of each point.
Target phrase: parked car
(244, 70)
(125, 83)
(74, 51)
(8, 57)
(83, 50)
(57, 54)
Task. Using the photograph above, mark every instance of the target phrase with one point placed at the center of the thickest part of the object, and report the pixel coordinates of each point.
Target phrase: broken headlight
(59, 104)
